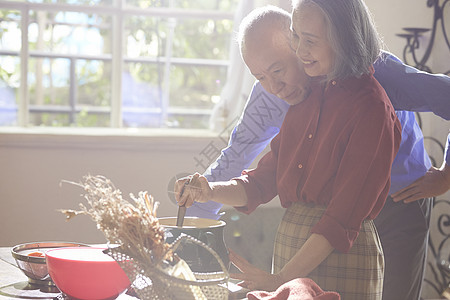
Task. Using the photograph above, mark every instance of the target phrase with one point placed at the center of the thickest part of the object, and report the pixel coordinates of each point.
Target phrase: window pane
(49, 91)
(93, 80)
(93, 90)
(193, 92)
(196, 86)
(48, 81)
(70, 32)
(70, 62)
(9, 84)
(147, 3)
(222, 5)
(75, 2)
(63, 118)
(193, 121)
(142, 95)
(202, 38)
(48, 118)
(93, 119)
(146, 36)
(10, 38)
(10, 33)
(51, 100)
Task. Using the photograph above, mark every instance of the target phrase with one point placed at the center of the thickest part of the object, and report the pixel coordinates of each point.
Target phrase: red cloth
(296, 289)
(334, 149)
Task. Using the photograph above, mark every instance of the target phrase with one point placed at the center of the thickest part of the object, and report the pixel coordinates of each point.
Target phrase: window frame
(117, 11)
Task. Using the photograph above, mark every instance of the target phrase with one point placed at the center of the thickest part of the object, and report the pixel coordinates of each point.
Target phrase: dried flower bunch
(150, 263)
(134, 227)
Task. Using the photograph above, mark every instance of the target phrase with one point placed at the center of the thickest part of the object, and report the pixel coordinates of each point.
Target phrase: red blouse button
(300, 166)
(310, 136)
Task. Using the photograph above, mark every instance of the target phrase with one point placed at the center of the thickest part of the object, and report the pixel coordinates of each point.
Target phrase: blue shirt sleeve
(411, 89)
(412, 160)
(447, 151)
(259, 123)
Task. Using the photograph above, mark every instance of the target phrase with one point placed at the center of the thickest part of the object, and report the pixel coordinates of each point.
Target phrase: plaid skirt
(355, 275)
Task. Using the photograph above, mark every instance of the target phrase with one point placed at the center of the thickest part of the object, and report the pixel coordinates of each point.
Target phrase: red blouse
(334, 149)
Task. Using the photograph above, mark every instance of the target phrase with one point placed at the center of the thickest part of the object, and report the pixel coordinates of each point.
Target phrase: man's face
(271, 60)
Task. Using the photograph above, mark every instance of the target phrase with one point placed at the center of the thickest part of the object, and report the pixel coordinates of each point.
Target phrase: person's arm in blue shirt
(434, 183)
(414, 90)
(259, 123)
(411, 89)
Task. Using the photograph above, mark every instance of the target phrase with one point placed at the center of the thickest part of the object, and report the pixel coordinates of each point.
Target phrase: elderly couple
(351, 172)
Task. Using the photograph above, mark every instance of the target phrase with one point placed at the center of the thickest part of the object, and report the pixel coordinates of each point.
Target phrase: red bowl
(86, 273)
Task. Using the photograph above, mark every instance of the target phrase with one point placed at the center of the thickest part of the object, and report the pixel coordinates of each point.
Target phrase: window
(113, 63)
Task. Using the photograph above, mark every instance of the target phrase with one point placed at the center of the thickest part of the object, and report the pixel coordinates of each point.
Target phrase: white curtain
(239, 80)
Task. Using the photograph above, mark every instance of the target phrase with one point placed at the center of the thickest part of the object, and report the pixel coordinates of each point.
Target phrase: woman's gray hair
(352, 35)
(252, 24)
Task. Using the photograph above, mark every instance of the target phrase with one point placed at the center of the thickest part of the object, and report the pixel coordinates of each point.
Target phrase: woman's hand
(196, 188)
(193, 188)
(252, 277)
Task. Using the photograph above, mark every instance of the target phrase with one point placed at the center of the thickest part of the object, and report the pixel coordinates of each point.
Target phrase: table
(14, 284)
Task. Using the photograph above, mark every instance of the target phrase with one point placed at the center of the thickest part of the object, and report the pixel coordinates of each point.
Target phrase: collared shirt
(407, 88)
(340, 159)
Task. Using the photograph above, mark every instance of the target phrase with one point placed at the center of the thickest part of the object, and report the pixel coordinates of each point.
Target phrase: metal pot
(210, 232)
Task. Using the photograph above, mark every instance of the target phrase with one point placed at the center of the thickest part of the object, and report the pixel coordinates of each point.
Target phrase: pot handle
(189, 238)
(209, 237)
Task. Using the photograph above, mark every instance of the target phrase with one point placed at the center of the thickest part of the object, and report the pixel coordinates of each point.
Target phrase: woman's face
(310, 40)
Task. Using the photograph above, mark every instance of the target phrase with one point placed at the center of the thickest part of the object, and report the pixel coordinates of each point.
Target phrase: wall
(34, 161)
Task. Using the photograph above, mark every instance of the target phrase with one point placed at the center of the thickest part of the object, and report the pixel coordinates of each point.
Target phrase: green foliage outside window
(82, 43)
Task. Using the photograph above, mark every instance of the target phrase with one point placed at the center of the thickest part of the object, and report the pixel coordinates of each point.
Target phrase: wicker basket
(150, 282)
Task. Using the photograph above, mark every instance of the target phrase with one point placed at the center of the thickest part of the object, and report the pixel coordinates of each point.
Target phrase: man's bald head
(263, 25)
(264, 40)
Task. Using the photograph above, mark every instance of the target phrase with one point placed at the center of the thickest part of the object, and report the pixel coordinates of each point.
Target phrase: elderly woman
(331, 161)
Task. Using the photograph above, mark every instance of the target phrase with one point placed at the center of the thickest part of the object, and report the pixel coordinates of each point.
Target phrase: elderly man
(403, 222)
